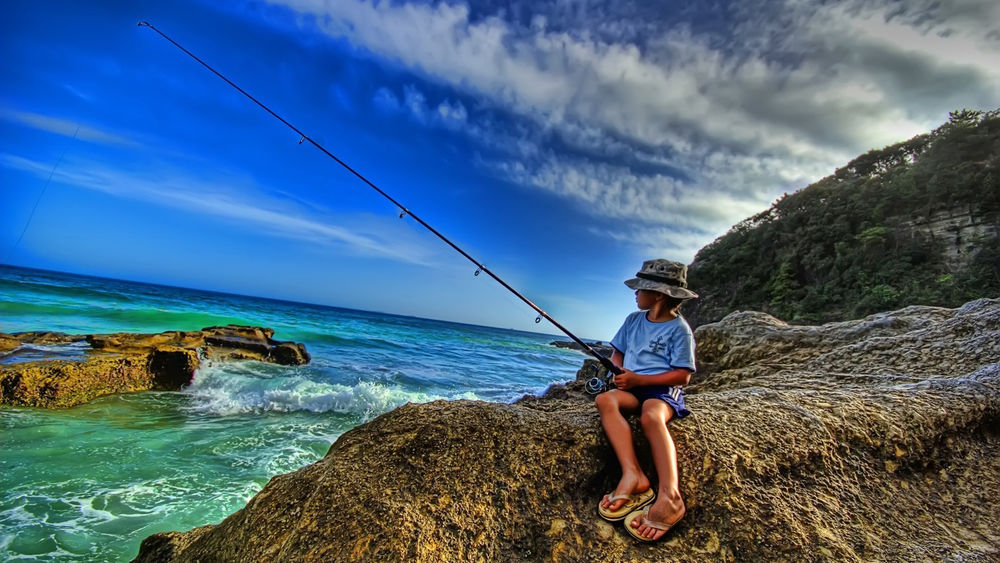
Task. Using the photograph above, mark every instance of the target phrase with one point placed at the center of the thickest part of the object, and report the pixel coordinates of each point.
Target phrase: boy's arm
(630, 379)
(618, 358)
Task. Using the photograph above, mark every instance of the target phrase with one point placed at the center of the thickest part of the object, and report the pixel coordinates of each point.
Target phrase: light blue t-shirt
(652, 348)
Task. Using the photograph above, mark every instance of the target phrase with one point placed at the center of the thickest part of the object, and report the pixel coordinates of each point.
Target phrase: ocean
(88, 483)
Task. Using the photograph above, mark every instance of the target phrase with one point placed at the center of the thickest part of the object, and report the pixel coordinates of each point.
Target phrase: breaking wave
(238, 388)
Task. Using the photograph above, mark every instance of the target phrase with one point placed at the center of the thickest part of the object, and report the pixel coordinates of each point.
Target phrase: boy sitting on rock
(655, 348)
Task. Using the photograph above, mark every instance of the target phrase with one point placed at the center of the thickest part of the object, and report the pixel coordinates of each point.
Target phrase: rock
(912, 343)
(244, 344)
(289, 353)
(47, 337)
(125, 362)
(8, 342)
(164, 546)
(853, 445)
(240, 331)
(61, 383)
(172, 367)
(251, 343)
(598, 346)
(133, 342)
(962, 229)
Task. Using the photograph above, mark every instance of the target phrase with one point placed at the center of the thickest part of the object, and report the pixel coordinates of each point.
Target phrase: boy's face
(645, 298)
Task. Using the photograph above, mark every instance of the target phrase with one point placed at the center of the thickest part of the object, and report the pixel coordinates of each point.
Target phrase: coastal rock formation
(873, 440)
(8, 343)
(961, 230)
(51, 369)
(599, 347)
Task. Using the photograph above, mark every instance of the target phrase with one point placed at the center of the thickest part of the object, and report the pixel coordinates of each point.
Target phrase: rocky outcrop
(8, 343)
(909, 345)
(961, 229)
(873, 440)
(50, 369)
(601, 348)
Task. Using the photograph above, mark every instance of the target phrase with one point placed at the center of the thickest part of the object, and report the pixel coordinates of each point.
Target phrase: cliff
(869, 440)
(961, 231)
(52, 369)
(917, 222)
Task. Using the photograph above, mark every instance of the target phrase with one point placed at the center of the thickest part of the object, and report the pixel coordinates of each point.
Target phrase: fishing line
(403, 211)
(39, 200)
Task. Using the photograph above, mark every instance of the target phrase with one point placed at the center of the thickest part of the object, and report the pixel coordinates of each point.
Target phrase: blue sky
(560, 143)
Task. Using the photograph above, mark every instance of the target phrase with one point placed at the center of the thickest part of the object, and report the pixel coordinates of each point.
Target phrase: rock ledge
(873, 440)
(51, 369)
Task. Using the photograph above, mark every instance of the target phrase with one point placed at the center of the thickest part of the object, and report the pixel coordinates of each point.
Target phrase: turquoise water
(88, 483)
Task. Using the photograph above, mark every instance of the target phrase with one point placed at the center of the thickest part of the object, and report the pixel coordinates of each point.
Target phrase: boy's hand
(626, 380)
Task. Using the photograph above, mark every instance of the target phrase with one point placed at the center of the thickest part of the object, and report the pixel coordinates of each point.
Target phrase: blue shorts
(669, 394)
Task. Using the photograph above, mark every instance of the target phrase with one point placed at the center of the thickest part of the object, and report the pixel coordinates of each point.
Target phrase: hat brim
(671, 290)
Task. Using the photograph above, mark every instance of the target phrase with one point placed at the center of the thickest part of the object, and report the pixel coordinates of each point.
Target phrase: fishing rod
(403, 210)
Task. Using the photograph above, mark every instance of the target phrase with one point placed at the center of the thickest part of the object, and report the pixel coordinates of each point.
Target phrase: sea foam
(246, 387)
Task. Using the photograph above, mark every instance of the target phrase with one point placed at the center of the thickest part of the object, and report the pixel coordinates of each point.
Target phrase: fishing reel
(600, 383)
(603, 378)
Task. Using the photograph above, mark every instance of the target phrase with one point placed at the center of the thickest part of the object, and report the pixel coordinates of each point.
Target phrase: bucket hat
(664, 276)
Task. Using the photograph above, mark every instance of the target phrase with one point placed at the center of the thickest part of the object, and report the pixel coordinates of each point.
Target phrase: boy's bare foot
(661, 515)
(629, 485)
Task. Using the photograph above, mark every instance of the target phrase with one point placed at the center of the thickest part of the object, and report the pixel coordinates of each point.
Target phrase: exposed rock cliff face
(961, 230)
(88, 366)
(872, 440)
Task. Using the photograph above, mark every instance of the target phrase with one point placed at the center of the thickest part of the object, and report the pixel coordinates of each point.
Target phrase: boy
(655, 348)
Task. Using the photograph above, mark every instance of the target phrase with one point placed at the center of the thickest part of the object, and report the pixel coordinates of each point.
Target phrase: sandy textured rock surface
(8, 342)
(876, 440)
(51, 369)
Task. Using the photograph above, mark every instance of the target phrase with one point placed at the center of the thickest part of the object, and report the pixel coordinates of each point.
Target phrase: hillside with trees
(914, 223)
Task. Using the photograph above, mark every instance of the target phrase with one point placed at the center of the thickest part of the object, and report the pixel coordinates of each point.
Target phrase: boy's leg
(612, 405)
(669, 505)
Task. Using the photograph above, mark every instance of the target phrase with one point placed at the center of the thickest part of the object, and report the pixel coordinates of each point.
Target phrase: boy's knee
(601, 400)
(650, 418)
(606, 402)
(646, 419)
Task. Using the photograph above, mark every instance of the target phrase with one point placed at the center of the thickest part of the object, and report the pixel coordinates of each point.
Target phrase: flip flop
(644, 513)
(632, 503)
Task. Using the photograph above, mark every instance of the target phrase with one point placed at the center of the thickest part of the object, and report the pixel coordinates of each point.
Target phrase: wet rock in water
(873, 440)
(8, 342)
(289, 354)
(57, 374)
(598, 346)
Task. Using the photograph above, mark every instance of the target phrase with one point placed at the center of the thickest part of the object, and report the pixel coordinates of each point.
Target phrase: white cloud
(385, 100)
(415, 102)
(65, 127)
(678, 244)
(448, 114)
(244, 204)
(452, 114)
(683, 83)
(654, 208)
(779, 99)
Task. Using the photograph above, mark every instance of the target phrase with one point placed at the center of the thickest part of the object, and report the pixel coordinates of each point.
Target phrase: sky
(560, 143)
